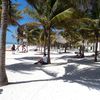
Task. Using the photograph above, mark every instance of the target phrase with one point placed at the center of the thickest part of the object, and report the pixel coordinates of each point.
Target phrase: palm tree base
(4, 82)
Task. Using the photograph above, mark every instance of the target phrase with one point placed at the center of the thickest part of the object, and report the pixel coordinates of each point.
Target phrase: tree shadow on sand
(1, 90)
(28, 58)
(39, 80)
(22, 67)
(89, 77)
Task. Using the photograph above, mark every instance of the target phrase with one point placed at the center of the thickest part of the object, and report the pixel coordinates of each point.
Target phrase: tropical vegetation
(79, 20)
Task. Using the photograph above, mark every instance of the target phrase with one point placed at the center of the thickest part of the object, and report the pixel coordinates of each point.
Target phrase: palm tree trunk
(96, 51)
(66, 47)
(3, 76)
(44, 46)
(45, 40)
(80, 50)
(49, 46)
(83, 47)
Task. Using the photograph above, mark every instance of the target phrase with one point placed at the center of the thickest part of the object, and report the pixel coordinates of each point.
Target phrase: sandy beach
(66, 78)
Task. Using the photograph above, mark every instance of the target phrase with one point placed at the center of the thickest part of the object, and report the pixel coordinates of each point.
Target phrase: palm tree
(4, 19)
(48, 12)
(91, 8)
(95, 12)
(94, 30)
(14, 14)
(28, 29)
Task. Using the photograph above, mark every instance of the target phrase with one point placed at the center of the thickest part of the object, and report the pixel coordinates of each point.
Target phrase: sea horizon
(9, 44)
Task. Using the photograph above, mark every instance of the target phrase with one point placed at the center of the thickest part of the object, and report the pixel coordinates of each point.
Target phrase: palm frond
(63, 16)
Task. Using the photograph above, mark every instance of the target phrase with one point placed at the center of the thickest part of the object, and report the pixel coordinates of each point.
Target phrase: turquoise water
(8, 45)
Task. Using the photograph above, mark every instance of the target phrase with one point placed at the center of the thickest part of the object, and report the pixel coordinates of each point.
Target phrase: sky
(13, 29)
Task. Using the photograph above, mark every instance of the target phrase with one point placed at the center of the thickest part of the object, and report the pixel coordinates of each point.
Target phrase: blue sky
(13, 29)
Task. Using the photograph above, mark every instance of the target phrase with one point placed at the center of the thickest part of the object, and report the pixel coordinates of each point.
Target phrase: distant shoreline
(8, 46)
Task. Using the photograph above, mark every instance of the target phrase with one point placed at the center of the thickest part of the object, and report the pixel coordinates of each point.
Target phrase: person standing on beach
(24, 48)
(13, 49)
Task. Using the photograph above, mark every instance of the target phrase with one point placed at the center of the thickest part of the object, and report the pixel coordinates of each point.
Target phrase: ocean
(8, 45)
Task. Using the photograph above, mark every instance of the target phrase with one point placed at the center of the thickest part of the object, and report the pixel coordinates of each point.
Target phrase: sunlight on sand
(66, 78)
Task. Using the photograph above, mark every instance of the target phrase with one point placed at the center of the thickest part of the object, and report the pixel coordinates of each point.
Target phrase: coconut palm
(28, 29)
(4, 17)
(93, 12)
(94, 30)
(14, 15)
(48, 11)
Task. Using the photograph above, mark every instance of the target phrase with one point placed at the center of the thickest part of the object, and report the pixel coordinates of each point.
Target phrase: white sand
(64, 79)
